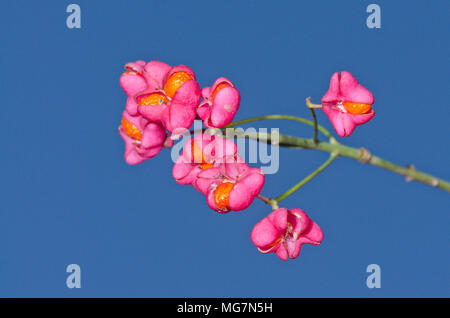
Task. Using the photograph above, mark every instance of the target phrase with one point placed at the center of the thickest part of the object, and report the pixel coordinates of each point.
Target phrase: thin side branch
(332, 157)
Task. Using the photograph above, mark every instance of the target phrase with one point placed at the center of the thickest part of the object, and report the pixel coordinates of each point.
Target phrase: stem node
(412, 168)
(364, 155)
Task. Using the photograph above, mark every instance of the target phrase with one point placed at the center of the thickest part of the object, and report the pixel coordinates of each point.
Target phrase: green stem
(285, 117)
(283, 196)
(272, 202)
(360, 154)
(313, 114)
(311, 107)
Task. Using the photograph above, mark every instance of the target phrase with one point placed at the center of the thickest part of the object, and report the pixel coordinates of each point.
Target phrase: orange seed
(174, 82)
(217, 89)
(199, 157)
(153, 99)
(357, 108)
(222, 195)
(131, 130)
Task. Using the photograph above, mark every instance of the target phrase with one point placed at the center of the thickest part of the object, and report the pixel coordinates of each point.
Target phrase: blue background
(67, 196)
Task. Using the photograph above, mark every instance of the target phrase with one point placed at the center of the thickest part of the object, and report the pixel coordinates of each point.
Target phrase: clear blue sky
(67, 196)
